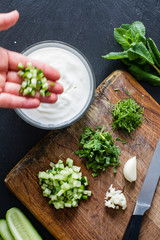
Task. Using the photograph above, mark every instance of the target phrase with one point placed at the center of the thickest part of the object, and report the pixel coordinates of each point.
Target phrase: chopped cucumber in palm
(4, 230)
(33, 80)
(20, 227)
(64, 185)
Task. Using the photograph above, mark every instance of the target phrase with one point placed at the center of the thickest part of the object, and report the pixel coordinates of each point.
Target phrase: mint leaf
(137, 28)
(125, 26)
(141, 75)
(138, 55)
(154, 51)
(116, 55)
(123, 37)
(138, 32)
(140, 51)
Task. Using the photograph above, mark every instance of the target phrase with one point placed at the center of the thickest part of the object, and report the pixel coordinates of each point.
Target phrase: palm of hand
(10, 82)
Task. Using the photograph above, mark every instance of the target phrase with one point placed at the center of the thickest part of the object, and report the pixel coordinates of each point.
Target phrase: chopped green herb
(128, 93)
(116, 89)
(33, 80)
(146, 119)
(127, 115)
(138, 143)
(121, 140)
(115, 167)
(98, 149)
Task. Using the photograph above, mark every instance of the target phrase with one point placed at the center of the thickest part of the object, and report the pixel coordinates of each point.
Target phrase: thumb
(7, 20)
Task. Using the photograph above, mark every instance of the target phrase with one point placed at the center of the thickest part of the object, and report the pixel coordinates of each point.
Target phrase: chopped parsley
(98, 149)
(121, 140)
(127, 115)
(116, 89)
(128, 93)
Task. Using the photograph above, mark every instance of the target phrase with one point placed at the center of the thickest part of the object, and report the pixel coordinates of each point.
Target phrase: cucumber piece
(64, 185)
(20, 227)
(4, 230)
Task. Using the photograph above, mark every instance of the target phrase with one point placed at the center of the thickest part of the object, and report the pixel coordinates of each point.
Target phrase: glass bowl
(62, 123)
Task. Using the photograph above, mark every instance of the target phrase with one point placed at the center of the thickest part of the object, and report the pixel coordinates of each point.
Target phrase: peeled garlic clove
(130, 170)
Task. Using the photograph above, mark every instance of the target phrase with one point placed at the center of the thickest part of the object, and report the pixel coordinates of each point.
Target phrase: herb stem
(156, 68)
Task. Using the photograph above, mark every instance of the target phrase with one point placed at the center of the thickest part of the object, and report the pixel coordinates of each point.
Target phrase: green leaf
(125, 26)
(154, 51)
(123, 37)
(137, 28)
(140, 51)
(116, 55)
(141, 75)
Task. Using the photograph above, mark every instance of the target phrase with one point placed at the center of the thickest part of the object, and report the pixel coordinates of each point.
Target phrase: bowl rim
(86, 63)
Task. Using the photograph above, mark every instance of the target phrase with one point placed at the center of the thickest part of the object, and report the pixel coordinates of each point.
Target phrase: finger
(51, 99)
(11, 101)
(13, 77)
(13, 88)
(14, 58)
(56, 88)
(2, 80)
(7, 20)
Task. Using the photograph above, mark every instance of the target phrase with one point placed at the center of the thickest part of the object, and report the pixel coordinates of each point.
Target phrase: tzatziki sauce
(75, 81)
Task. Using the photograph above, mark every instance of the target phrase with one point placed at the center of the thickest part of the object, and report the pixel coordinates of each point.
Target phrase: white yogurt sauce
(75, 81)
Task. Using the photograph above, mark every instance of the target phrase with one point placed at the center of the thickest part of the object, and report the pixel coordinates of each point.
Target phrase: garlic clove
(130, 169)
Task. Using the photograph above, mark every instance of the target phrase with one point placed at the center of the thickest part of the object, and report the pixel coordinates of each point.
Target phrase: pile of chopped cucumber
(33, 80)
(16, 226)
(65, 186)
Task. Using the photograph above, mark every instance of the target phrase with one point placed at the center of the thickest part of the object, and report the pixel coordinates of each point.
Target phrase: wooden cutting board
(92, 220)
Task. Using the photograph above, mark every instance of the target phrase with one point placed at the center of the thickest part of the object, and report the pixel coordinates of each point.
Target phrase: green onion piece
(52, 84)
(44, 80)
(42, 92)
(84, 197)
(20, 73)
(29, 65)
(33, 93)
(20, 66)
(27, 91)
(63, 184)
(33, 82)
(24, 84)
(45, 86)
(29, 75)
(48, 94)
(21, 90)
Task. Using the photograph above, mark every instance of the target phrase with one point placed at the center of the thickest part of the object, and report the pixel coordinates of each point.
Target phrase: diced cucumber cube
(69, 162)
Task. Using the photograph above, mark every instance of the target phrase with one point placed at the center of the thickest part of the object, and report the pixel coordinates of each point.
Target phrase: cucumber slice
(20, 227)
(4, 230)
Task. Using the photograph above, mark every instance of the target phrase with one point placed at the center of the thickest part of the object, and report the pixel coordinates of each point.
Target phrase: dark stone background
(88, 26)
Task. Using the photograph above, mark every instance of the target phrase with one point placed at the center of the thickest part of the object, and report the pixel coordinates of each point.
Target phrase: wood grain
(92, 220)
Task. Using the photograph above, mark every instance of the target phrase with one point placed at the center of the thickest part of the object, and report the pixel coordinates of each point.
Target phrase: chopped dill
(127, 115)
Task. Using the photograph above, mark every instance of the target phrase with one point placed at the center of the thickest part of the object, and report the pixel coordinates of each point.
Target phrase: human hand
(10, 82)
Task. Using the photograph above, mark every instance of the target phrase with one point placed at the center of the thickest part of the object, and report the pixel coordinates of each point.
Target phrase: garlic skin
(130, 169)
